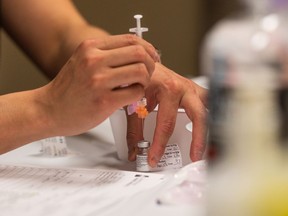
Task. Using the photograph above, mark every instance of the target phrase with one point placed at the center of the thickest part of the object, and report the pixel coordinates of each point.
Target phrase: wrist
(43, 114)
(24, 119)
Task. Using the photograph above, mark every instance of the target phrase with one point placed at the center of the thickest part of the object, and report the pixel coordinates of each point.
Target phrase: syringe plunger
(138, 30)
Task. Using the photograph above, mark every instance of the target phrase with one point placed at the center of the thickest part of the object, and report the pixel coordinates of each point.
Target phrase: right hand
(170, 91)
(88, 89)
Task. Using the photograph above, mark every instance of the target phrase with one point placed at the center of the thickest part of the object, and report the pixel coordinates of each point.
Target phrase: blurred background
(176, 28)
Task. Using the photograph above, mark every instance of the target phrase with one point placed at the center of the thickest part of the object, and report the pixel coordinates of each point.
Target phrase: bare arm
(22, 119)
(47, 30)
(83, 94)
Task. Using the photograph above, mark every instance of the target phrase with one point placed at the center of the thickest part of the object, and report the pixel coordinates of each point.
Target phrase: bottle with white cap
(142, 156)
(246, 59)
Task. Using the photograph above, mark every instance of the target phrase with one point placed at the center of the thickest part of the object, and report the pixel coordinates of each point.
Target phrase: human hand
(171, 91)
(90, 86)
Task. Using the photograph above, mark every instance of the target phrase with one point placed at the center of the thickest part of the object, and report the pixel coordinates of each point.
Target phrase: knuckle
(199, 116)
(84, 45)
(152, 69)
(159, 150)
(138, 92)
(140, 69)
(132, 138)
(98, 79)
(102, 102)
(140, 53)
(202, 115)
(167, 127)
(90, 58)
(172, 86)
(88, 54)
(131, 39)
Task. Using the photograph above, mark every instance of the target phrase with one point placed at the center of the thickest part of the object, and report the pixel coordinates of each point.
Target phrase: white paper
(171, 158)
(54, 146)
(189, 185)
(38, 191)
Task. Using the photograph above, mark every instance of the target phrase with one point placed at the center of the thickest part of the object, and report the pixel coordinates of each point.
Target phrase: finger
(118, 41)
(150, 96)
(123, 96)
(166, 118)
(198, 143)
(202, 93)
(196, 111)
(129, 55)
(134, 134)
(125, 76)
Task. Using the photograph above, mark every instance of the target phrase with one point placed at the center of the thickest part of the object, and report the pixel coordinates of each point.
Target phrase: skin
(171, 91)
(87, 70)
(86, 89)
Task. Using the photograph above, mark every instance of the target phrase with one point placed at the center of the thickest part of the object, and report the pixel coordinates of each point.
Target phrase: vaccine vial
(142, 156)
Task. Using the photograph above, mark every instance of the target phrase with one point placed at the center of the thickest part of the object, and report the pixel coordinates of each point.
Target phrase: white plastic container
(182, 135)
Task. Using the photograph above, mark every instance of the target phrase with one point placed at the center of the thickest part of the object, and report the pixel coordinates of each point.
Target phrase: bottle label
(54, 146)
(171, 158)
(142, 163)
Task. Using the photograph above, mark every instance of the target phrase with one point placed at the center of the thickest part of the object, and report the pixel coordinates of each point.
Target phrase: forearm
(47, 30)
(23, 119)
(69, 41)
(72, 38)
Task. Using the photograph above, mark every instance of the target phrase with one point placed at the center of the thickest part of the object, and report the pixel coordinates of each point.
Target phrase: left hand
(171, 91)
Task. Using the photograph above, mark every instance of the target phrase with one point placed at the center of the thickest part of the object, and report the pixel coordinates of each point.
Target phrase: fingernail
(157, 56)
(197, 156)
(200, 154)
(131, 155)
(153, 162)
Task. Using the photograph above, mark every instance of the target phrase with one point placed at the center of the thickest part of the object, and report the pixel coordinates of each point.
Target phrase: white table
(96, 150)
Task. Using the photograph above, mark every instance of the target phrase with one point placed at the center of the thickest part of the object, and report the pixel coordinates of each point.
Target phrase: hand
(90, 85)
(171, 91)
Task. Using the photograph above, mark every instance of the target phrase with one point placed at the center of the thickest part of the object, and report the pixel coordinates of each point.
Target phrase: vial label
(142, 163)
(54, 146)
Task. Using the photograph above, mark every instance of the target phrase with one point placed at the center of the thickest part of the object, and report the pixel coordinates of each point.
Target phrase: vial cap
(143, 144)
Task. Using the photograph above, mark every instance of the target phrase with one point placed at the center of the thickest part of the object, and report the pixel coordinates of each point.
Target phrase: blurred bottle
(246, 60)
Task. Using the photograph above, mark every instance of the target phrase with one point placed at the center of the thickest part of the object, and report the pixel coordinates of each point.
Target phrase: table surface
(96, 150)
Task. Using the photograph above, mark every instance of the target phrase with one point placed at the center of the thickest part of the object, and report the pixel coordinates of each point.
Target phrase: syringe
(140, 106)
(138, 30)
